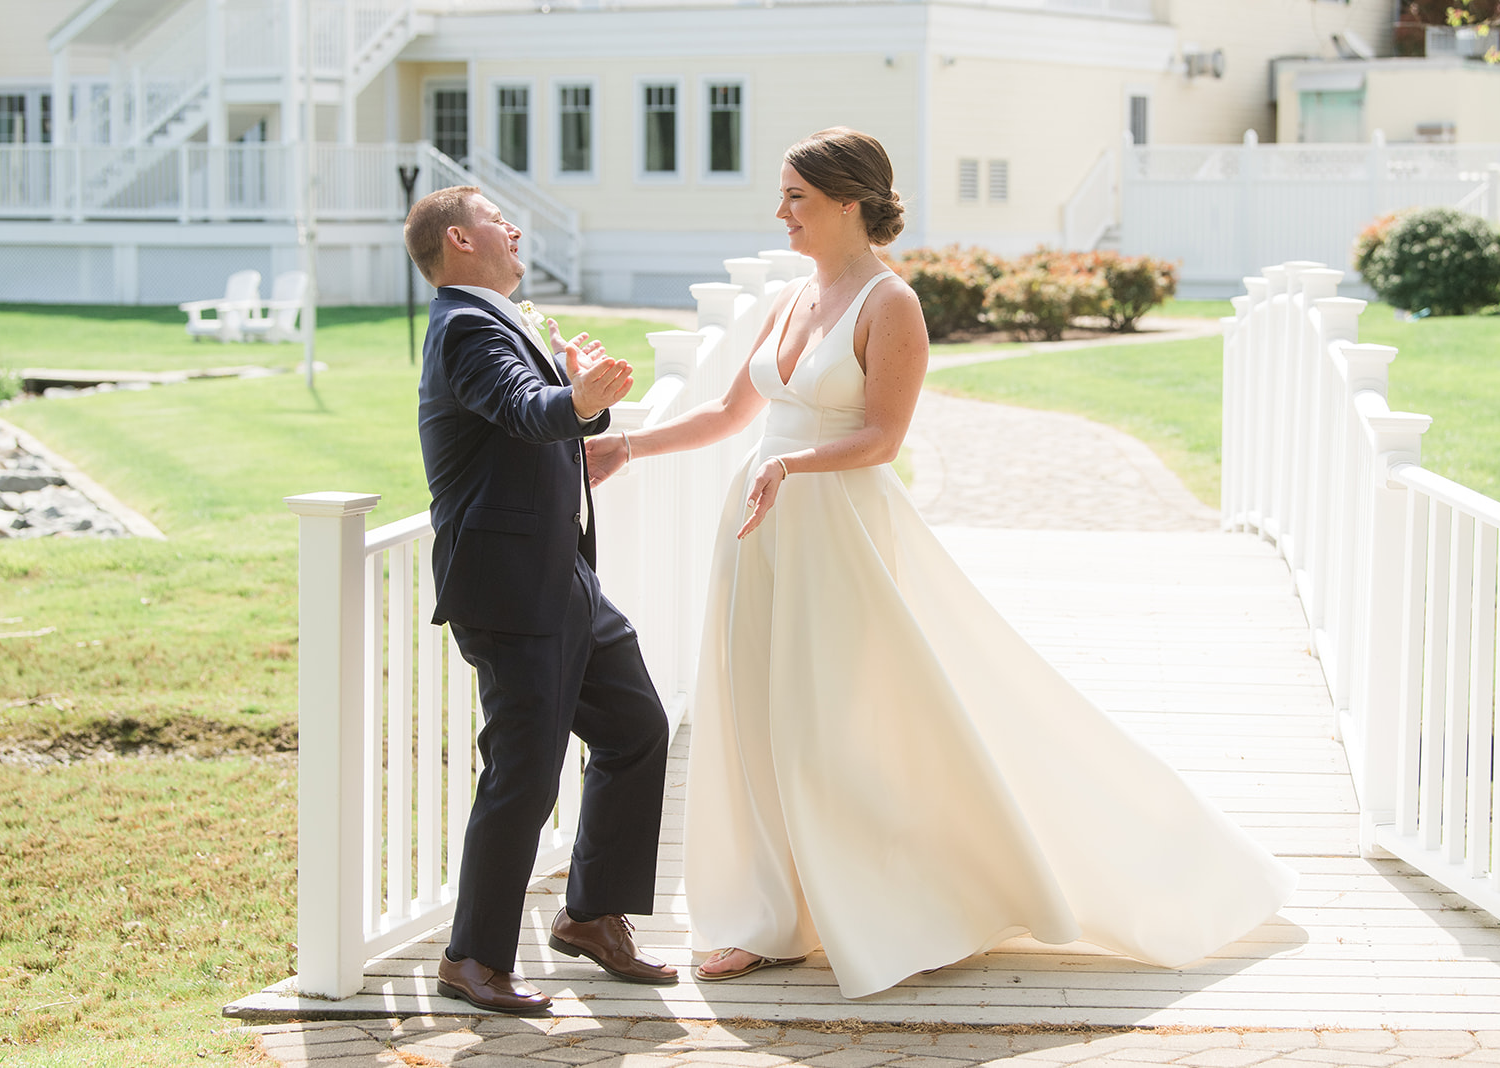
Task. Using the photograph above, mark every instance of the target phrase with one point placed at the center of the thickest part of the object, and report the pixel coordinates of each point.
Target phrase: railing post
(1314, 284)
(749, 273)
(330, 703)
(1394, 439)
(715, 303)
(785, 264)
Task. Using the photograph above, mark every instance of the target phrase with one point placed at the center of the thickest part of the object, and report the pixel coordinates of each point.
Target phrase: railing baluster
(1456, 669)
(429, 731)
(1434, 695)
(399, 741)
(1413, 642)
(374, 778)
(1481, 801)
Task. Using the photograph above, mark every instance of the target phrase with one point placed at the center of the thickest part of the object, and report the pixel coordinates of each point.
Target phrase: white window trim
(1134, 91)
(532, 100)
(433, 85)
(706, 176)
(554, 107)
(642, 176)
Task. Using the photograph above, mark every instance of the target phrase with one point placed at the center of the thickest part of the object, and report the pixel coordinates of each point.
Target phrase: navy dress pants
(589, 680)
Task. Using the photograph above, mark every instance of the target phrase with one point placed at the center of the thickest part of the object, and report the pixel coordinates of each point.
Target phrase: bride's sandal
(754, 966)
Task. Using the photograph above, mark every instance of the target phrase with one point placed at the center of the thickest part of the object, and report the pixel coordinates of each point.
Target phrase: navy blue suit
(513, 562)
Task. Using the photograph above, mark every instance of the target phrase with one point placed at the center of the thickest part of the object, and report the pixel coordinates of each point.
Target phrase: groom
(513, 559)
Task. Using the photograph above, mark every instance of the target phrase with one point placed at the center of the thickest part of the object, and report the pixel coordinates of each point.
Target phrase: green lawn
(1168, 394)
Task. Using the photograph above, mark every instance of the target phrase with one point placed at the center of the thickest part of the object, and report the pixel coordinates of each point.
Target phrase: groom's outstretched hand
(599, 381)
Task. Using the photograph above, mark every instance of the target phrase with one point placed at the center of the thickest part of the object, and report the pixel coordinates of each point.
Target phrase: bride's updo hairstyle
(848, 165)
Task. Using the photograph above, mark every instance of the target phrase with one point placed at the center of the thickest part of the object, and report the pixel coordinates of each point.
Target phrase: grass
(141, 896)
(1168, 394)
(202, 625)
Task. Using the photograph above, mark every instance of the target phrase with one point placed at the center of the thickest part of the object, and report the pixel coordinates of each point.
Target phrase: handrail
(1395, 565)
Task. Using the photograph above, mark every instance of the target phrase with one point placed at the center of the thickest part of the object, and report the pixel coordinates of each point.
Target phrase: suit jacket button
(576, 457)
(578, 518)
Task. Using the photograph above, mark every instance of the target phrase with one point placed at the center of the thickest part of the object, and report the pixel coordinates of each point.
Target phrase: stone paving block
(494, 1060)
(658, 1030)
(850, 1057)
(324, 1051)
(1488, 1039)
(737, 1058)
(1368, 1041)
(813, 1038)
(1280, 1040)
(1191, 1041)
(628, 1045)
(1227, 1057)
(1421, 1061)
(507, 1025)
(442, 1040)
(1054, 1040)
(314, 1037)
(927, 1062)
(1344, 1058)
(981, 1045)
(354, 1060)
(1137, 1055)
(571, 1055)
(1076, 1053)
(1483, 1055)
(426, 1025)
(513, 1045)
(794, 1051)
(1435, 1043)
(696, 1034)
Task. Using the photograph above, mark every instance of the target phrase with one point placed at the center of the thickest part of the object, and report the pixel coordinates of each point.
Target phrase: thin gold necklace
(822, 290)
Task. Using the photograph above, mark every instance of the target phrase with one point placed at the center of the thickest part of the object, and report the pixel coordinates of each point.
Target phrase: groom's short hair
(428, 222)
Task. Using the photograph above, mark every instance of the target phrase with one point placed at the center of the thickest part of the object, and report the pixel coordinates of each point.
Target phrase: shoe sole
(454, 992)
(577, 951)
(764, 962)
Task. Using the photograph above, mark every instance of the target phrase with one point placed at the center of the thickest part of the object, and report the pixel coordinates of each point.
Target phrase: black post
(409, 183)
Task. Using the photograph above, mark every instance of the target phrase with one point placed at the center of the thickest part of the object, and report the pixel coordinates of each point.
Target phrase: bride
(880, 765)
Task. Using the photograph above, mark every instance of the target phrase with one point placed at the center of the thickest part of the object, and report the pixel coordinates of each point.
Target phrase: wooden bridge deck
(1197, 644)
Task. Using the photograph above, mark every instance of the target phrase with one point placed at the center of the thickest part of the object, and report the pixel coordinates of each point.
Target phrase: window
(450, 122)
(575, 129)
(968, 179)
(12, 118)
(659, 128)
(513, 127)
(1140, 107)
(726, 129)
(999, 180)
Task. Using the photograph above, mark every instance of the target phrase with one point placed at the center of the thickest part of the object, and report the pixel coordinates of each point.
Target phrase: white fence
(1224, 210)
(1395, 567)
(387, 708)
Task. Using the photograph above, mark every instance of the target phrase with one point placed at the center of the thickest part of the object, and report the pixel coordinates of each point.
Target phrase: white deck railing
(1395, 567)
(387, 711)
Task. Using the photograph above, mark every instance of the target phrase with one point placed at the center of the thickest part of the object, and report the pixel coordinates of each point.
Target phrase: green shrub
(950, 283)
(1043, 294)
(10, 383)
(1133, 285)
(1437, 258)
(1370, 239)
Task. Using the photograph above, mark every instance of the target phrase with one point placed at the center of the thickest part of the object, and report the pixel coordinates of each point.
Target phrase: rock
(26, 482)
(10, 502)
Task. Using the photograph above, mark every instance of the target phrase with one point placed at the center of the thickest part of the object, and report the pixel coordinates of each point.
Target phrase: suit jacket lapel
(541, 361)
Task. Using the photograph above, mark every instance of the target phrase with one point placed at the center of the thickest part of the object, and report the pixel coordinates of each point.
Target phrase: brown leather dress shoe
(608, 943)
(485, 988)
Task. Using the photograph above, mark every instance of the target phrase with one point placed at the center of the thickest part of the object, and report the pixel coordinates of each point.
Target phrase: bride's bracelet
(784, 472)
(626, 439)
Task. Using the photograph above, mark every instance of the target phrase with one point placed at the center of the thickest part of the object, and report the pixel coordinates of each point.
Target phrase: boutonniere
(537, 320)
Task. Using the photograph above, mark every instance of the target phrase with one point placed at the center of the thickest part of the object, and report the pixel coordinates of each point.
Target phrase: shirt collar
(503, 304)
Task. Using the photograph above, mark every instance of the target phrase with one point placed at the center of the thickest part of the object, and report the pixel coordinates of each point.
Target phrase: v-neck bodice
(824, 397)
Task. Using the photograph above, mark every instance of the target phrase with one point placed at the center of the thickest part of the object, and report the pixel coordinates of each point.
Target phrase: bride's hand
(606, 455)
(763, 492)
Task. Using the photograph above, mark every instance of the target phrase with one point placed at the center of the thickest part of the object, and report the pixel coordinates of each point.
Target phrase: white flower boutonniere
(537, 320)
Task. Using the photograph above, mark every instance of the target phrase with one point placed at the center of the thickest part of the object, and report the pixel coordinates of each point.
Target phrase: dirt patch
(125, 736)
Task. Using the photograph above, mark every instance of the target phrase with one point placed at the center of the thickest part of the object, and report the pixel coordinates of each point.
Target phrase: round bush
(1437, 258)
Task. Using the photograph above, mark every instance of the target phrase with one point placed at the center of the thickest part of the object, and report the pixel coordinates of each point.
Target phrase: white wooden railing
(1395, 567)
(387, 712)
(1091, 210)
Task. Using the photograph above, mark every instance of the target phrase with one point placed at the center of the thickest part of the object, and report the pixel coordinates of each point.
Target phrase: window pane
(513, 138)
(12, 118)
(575, 129)
(450, 122)
(661, 129)
(724, 114)
(1138, 130)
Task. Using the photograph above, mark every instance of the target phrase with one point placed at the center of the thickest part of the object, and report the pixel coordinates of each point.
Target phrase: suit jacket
(504, 456)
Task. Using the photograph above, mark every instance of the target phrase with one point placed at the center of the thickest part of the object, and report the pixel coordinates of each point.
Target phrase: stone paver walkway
(507, 1042)
(975, 464)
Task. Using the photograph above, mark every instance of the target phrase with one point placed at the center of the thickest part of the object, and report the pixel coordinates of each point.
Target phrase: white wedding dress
(882, 766)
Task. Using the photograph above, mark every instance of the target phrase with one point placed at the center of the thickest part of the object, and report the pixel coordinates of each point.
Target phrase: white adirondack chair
(241, 301)
(280, 318)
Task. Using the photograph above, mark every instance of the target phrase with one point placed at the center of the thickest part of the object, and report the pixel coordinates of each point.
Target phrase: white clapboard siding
(1364, 943)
